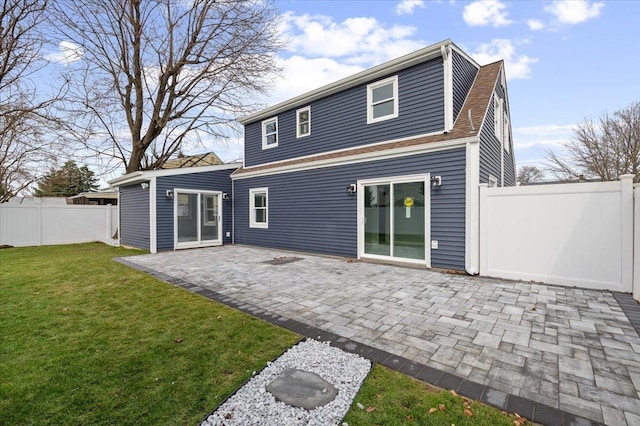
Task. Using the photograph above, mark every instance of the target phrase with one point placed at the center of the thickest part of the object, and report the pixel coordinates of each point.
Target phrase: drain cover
(302, 389)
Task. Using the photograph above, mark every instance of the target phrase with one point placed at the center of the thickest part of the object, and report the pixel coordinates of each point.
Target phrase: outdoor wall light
(352, 188)
(225, 196)
(169, 193)
(436, 181)
(144, 185)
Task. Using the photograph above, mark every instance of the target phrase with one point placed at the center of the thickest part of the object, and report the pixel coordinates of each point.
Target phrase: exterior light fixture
(352, 188)
(436, 181)
(169, 193)
(144, 185)
(225, 196)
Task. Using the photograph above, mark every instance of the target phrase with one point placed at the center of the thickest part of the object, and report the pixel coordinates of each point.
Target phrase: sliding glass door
(197, 218)
(394, 220)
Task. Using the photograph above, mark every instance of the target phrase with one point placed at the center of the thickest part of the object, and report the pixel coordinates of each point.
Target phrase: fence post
(483, 228)
(636, 243)
(626, 234)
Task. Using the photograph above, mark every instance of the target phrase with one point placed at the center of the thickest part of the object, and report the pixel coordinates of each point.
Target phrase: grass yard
(86, 340)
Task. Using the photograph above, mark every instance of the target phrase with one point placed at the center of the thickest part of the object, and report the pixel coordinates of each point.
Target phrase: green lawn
(86, 340)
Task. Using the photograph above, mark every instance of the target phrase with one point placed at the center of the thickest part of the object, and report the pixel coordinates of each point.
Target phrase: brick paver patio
(567, 348)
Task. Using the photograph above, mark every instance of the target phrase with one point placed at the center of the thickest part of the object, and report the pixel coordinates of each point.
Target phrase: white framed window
(382, 100)
(184, 209)
(303, 122)
(258, 210)
(493, 181)
(209, 209)
(498, 117)
(270, 133)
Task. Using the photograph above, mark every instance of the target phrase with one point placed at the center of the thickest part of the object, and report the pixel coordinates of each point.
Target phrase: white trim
(448, 87)
(392, 180)
(153, 212)
(264, 135)
(198, 243)
(119, 215)
(472, 209)
(393, 66)
(252, 220)
(370, 104)
(462, 53)
(360, 158)
(298, 134)
(144, 175)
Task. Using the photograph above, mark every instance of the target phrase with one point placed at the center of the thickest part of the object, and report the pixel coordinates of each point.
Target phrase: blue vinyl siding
(464, 73)
(491, 148)
(340, 120)
(218, 180)
(311, 211)
(134, 216)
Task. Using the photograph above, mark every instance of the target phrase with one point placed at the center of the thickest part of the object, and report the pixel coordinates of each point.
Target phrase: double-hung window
(498, 117)
(258, 211)
(382, 100)
(303, 122)
(270, 133)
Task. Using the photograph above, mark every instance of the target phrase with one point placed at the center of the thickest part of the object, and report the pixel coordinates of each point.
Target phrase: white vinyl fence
(44, 224)
(636, 242)
(578, 234)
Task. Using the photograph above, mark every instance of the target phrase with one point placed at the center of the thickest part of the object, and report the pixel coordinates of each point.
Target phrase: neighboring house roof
(198, 160)
(146, 175)
(477, 102)
(112, 195)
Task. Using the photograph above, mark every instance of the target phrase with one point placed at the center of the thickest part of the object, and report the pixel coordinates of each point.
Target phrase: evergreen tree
(67, 181)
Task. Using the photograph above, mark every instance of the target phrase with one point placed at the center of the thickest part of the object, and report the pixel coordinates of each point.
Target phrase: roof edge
(410, 59)
(144, 175)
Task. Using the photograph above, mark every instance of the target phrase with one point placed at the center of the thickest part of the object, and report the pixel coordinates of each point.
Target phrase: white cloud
(301, 75)
(535, 25)
(546, 136)
(486, 12)
(517, 66)
(68, 52)
(406, 7)
(360, 40)
(575, 11)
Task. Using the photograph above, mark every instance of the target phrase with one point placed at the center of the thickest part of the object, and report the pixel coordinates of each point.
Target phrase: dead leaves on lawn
(178, 340)
(371, 409)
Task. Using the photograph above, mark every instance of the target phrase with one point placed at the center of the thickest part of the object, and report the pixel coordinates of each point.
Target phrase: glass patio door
(198, 218)
(394, 220)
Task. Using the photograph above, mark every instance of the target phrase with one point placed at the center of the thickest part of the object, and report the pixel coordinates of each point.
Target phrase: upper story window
(303, 122)
(382, 100)
(258, 212)
(505, 132)
(270, 133)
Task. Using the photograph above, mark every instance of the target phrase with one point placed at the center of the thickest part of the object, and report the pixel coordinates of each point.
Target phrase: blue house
(383, 165)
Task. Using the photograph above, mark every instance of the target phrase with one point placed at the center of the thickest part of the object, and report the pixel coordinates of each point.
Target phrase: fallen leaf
(454, 393)
(409, 417)
(371, 409)
(219, 317)
(179, 340)
(441, 407)
(432, 410)
(65, 309)
(468, 412)
(518, 416)
(534, 309)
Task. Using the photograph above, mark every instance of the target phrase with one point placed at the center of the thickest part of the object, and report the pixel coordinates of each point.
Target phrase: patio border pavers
(532, 410)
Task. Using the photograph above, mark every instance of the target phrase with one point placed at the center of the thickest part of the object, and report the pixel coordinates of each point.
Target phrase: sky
(566, 61)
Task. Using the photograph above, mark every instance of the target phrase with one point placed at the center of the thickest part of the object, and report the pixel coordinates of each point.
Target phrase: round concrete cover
(302, 389)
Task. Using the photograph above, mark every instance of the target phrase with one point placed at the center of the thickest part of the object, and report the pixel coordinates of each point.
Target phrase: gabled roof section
(477, 102)
(198, 160)
(365, 76)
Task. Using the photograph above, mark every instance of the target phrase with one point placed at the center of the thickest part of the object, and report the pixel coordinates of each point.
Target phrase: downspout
(445, 51)
(233, 210)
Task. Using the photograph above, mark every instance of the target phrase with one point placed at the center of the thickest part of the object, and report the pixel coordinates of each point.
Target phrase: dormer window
(303, 122)
(382, 100)
(270, 133)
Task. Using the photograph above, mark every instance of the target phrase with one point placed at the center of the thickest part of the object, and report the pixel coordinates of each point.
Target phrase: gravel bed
(252, 404)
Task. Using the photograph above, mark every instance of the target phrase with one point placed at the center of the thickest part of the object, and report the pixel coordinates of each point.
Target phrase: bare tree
(25, 114)
(529, 174)
(151, 74)
(604, 150)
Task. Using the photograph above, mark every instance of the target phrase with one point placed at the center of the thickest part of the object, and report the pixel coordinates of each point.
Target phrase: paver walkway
(571, 349)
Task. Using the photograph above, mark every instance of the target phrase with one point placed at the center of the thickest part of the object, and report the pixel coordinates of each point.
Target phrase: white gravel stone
(253, 405)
